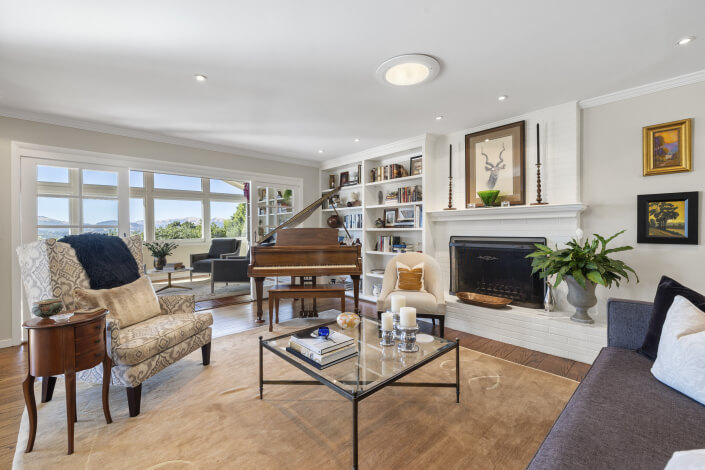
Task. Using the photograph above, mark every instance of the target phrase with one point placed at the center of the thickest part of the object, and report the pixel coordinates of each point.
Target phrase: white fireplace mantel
(550, 211)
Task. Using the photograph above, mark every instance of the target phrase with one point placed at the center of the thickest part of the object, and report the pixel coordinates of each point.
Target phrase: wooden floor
(13, 360)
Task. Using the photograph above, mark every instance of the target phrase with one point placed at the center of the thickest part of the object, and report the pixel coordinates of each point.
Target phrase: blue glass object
(323, 332)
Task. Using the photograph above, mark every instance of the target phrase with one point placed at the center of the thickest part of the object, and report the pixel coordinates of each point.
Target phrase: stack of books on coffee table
(322, 352)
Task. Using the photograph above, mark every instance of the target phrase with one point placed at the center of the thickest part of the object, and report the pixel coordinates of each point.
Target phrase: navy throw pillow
(667, 290)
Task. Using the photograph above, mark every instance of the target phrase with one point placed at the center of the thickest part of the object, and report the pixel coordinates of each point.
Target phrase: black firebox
(496, 266)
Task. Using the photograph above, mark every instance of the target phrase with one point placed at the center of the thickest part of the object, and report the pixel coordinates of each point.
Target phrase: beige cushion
(409, 278)
(130, 304)
(143, 340)
(433, 281)
(422, 301)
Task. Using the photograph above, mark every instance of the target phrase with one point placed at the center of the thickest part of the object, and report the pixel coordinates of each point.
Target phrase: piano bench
(303, 292)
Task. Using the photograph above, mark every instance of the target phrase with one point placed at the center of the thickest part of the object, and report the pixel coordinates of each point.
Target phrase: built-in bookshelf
(401, 193)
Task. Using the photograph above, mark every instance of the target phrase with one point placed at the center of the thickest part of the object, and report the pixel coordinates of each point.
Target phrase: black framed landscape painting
(668, 218)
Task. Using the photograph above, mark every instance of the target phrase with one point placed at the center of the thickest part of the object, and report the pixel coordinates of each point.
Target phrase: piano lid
(301, 216)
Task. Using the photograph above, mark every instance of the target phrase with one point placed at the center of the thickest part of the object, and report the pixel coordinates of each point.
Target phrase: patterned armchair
(51, 269)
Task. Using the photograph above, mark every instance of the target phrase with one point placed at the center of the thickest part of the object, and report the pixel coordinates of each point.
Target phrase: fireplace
(496, 266)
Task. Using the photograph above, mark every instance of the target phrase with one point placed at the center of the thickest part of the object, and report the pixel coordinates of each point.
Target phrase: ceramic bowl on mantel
(482, 300)
(489, 197)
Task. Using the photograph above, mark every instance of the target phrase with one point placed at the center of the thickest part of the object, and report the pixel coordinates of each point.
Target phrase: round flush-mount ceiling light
(408, 70)
(685, 40)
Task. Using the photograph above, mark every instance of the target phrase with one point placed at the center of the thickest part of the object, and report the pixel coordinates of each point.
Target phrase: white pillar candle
(398, 302)
(387, 321)
(407, 317)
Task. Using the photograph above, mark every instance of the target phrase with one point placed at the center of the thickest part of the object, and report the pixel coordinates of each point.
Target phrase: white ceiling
(291, 77)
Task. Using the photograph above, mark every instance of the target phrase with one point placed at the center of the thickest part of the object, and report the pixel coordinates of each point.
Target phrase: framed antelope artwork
(494, 159)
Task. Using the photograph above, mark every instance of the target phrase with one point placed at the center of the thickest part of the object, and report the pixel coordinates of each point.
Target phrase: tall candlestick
(538, 146)
(450, 162)
(407, 317)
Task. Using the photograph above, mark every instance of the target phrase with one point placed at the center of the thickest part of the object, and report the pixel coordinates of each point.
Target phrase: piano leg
(259, 289)
(356, 292)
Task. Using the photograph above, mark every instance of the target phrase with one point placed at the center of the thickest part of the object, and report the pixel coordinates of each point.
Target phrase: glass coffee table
(374, 368)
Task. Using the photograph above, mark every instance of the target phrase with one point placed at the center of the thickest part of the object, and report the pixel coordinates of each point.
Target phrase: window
(226, 187)
(176, 219)
(228, 219)
(137, 216)
(136, 179)
(52, 174)
(177, 182)
(72, 201)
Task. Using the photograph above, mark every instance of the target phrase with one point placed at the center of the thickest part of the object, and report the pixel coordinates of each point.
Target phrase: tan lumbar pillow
(409, 278)
(130, 304)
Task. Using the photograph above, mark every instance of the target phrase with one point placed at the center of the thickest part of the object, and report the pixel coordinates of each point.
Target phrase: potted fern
(583, 267)
(160, 250)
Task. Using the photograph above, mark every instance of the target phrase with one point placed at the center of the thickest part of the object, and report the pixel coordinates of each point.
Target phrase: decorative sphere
(348, 320)
(333, 221)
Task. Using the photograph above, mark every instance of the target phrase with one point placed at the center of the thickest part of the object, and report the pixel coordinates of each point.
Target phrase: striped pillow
(409, 278)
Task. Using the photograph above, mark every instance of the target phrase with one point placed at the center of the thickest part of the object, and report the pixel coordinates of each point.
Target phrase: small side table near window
(65, 347)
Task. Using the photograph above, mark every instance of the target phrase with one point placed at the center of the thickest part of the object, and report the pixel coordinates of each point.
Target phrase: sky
(97, 210)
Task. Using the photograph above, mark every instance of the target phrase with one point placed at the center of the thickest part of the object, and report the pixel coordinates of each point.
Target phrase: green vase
(489, 197)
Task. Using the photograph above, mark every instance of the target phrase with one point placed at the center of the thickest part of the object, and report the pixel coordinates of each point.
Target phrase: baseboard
(6, 343)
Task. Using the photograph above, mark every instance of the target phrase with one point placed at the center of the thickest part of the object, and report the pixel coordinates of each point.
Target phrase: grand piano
(304, 252)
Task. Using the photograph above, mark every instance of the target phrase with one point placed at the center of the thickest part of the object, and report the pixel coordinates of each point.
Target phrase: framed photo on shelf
(406, 214)
(331, 182)
(416, 165)
(345, 178)
(390, 217)
(668, 218)
(667, 148)
(494, 160)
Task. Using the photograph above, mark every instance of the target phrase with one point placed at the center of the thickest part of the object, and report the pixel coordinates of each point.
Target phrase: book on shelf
(319, 345)
(388, 172)
(326, 358)
(316, 364)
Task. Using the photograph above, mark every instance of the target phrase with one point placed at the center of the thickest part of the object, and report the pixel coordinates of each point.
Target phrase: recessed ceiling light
(320, 150)
(408, 70)
(438, 118)
(200, 77)
(502, 97)
(487, 140)
(685, 40)
(357, 140)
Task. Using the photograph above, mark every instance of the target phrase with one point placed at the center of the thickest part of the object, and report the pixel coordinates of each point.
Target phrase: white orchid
(579, 234)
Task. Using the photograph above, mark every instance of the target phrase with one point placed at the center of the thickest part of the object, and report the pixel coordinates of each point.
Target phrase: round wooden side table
(65, 347)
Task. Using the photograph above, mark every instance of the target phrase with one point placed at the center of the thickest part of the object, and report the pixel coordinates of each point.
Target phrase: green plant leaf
(595, 277)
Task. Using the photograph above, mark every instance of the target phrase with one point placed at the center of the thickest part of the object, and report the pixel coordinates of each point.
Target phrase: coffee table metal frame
(169, 285)
(356, 397)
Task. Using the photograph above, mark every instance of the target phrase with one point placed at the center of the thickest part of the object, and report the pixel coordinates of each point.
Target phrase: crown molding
(150, 136)
(641, 90)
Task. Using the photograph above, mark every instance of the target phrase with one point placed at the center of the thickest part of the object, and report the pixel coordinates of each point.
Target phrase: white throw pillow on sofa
(687, 460)
(680, 363)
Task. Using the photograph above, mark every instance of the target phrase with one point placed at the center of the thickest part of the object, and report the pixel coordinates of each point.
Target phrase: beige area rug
(196, 417)
(202, 289)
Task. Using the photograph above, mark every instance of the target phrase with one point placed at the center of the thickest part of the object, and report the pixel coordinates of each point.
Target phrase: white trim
(15, 234)
(6, 343)
(153, 137)
(667, 84)
(26, 149)
(554, 211)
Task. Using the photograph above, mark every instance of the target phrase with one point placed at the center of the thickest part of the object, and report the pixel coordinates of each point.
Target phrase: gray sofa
(621, 417)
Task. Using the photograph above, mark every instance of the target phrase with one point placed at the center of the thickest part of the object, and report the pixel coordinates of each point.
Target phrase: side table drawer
(90, 358)
(93, 329)
(90, 342)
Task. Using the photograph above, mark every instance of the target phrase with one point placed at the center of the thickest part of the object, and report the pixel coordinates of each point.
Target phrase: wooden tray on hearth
(482, 300)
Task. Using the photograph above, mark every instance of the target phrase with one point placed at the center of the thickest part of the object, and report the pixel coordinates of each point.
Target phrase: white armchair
(430, 304)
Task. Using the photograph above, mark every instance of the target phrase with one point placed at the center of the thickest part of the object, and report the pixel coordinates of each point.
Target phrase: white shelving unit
(368, 193)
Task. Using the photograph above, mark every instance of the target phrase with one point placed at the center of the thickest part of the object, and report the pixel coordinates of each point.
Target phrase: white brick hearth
(550, 333)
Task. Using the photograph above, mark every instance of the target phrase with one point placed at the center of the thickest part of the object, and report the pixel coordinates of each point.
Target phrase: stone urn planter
(581, 298)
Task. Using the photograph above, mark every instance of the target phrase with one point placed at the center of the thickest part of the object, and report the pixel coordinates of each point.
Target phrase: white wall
(611, 174)
(59, 136)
